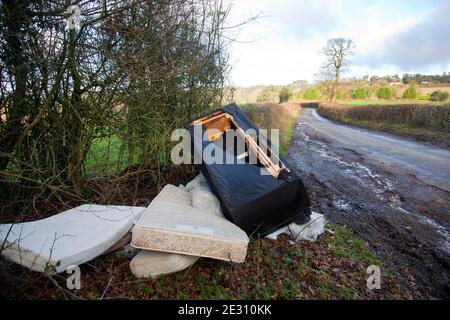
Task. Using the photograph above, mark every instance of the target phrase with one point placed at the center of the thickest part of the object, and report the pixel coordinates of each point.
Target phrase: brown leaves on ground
(332, 268)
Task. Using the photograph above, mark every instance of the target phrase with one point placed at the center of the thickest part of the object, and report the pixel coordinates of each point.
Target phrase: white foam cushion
(308, 231)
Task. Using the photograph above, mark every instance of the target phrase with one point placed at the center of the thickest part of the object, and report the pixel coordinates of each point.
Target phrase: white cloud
(277, 61)
(278, 48)
(423, 44)
(285, 45)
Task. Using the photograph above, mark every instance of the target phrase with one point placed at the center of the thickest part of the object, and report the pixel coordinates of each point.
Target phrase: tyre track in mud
(404, 218)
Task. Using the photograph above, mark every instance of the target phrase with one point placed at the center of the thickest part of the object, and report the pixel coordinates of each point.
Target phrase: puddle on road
(342, 205)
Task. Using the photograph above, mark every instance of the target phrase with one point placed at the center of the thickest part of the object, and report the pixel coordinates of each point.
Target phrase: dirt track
(394, 193)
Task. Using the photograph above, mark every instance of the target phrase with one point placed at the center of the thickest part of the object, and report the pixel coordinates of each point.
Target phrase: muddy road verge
(400, 206)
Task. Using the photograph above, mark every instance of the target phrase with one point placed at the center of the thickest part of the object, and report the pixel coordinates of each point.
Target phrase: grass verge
(332, 268)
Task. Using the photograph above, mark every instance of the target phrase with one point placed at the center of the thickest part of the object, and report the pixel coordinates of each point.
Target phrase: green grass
(346, 244)
(106, 156)
(288, 133)
(388, 102)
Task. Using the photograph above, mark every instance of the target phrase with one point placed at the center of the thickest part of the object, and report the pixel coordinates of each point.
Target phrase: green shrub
(410, 93)
(286, 94)
(310, 94)
(360, 93)
(385, 93)
(424, 97)
(439, 95)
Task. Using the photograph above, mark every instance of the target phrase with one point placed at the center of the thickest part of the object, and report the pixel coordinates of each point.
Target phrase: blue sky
(283, 45)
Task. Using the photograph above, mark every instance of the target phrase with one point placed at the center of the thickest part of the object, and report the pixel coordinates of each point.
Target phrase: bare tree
(336, 52)
(325, 82)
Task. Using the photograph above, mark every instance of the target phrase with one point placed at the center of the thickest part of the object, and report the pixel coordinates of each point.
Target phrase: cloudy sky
(392, 37)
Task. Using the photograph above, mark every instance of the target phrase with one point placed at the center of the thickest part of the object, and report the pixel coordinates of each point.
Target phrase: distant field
(389, 102)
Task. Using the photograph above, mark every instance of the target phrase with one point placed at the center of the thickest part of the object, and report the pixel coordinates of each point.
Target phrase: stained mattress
(172, 224)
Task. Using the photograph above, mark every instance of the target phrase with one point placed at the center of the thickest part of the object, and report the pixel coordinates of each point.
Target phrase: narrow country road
(393, 192)
(428, 162)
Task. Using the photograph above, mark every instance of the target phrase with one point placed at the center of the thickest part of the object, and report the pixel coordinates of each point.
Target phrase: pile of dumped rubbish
(212, 216)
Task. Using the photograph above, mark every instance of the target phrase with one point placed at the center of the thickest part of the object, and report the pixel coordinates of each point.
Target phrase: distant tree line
(412, 79)
(421, 78)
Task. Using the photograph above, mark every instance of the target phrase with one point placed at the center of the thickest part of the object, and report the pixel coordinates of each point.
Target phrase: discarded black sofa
(258, 204)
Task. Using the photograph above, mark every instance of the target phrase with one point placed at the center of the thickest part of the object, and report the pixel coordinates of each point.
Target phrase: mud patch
(405, 220)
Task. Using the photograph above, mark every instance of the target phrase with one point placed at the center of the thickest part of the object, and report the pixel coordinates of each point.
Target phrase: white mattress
(172, 224)
(69, 238)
